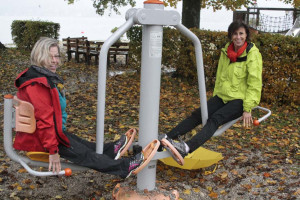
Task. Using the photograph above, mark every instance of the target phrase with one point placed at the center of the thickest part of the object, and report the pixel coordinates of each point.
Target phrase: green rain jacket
(241, 79)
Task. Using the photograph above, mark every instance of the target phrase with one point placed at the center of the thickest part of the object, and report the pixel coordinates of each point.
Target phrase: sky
(80, 18)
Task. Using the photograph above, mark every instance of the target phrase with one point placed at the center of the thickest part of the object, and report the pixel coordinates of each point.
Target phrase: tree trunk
(2, 46)
(191, 13)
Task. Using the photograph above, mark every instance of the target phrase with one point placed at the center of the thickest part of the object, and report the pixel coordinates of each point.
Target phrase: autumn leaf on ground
(213, 195)
(187, 191)
(22, 170)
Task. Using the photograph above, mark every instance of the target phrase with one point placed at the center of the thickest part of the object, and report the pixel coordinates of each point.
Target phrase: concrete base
(125, 193)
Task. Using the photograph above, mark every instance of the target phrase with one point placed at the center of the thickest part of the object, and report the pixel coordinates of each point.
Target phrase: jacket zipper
(56, 131)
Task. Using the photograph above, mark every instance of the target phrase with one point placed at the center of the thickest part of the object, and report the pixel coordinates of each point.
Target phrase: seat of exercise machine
(38, 156)
(25, 120)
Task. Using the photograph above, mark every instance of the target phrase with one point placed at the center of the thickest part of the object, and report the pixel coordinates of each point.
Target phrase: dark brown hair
(235, 26)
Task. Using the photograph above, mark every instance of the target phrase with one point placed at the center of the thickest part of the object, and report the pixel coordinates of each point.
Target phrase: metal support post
(150, 94)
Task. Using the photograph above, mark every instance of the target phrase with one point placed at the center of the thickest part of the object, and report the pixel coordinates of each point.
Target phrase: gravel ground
(260, 164)
(234, 178)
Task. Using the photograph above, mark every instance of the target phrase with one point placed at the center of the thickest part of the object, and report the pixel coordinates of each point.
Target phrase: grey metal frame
(153, 18)
(9, 124)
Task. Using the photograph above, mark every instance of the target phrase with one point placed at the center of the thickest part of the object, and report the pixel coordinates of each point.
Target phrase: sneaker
(160, 137)
(119, 146)
(179, 146)
(135, 162)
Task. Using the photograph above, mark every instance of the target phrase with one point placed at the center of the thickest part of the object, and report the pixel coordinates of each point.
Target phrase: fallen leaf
(241, 158)
(275, 161)
(223, 175)
(247, 186)
(272, 182)
(209, 188)
(213, 195)
(196, 190)
(27, 181)
(297, 192)
(22, 170)
(235, 172)
(169, 172)
(223, 192)
(187, 191)
(266, 174)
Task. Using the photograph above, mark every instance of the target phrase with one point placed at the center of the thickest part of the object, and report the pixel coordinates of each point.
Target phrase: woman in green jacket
(237, 91)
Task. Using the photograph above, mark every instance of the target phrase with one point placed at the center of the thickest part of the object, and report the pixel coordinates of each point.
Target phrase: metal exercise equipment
(152, 17)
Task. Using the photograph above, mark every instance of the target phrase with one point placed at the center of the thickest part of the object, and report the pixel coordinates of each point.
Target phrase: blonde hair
(40, 54)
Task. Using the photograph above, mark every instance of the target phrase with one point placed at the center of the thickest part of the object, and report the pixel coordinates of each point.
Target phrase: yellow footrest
(38, 156)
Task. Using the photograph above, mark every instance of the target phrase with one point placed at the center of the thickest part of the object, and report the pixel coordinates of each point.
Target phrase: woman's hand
(247, 119)
(54, 163)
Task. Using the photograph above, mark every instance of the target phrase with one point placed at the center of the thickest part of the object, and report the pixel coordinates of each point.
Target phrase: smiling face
(54, 59)
(238, 38)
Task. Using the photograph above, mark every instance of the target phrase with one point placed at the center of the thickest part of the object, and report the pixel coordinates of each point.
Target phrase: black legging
(219, 113)
(83, 153)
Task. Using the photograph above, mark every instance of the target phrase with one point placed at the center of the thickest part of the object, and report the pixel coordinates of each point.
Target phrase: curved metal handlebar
(229, 124)
(266, 115)
(37, 173)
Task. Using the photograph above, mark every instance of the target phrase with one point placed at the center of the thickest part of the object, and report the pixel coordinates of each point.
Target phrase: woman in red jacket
(43, 88)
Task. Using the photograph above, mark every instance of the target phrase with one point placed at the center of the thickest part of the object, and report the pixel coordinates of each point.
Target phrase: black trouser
(218, 114)
(83, 153)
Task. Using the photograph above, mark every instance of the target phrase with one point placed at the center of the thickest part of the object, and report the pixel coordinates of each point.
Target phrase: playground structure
(152, 17)
(295, 30)
(261, 22)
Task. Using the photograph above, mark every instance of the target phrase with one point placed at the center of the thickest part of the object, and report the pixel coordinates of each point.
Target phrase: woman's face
(54, 59)
(239, 37)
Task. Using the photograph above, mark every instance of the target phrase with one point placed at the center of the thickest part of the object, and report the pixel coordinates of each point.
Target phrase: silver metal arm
(200, 69)
(102, 82)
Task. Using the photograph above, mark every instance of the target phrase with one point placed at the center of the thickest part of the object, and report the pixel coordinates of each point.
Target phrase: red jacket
(37, 89)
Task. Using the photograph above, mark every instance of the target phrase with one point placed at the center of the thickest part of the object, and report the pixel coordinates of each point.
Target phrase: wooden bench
(89, 49)
(119, 48)
(77, 46)
(94, 50)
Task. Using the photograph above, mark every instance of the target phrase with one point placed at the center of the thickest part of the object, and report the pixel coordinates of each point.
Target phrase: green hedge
(25, 33)
(280, 54)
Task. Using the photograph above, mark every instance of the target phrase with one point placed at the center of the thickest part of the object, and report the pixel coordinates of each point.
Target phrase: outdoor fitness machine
(152, 17)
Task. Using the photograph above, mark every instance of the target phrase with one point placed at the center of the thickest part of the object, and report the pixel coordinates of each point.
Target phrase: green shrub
(25, 33)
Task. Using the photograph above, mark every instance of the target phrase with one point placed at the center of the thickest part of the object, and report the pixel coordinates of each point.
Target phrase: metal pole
(102, 72)
(150, 94)
(200, 70)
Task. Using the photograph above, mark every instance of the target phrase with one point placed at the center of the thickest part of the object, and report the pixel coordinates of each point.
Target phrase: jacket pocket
(238, 75)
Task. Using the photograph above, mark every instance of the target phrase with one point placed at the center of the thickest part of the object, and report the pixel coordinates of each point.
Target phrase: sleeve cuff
(53, 150)
(248, 110)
